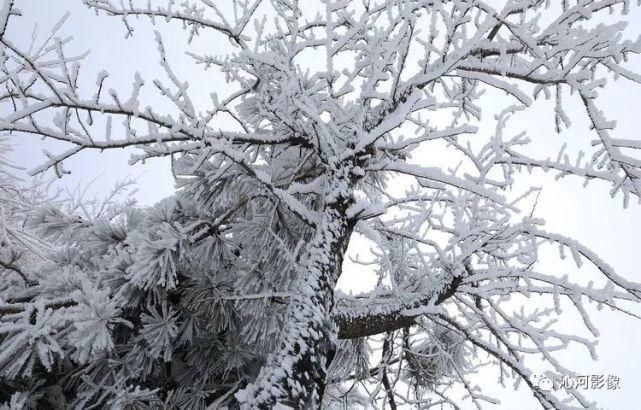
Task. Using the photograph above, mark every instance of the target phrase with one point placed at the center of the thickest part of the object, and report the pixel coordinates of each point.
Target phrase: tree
(225, 294)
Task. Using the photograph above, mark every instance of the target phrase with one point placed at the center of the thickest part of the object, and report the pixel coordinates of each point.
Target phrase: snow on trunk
(295, 375)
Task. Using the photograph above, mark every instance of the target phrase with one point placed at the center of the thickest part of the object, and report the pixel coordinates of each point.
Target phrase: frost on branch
(340, 123)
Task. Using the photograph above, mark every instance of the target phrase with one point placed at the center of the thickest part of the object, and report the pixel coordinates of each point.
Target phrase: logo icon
(542, 382)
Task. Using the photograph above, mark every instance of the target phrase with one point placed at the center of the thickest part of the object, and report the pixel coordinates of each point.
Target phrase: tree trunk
(295, 376)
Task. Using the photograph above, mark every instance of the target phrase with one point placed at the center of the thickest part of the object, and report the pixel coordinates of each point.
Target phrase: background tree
(225, 294)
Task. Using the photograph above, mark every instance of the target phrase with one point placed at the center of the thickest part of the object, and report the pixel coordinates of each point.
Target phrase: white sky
(588, 215)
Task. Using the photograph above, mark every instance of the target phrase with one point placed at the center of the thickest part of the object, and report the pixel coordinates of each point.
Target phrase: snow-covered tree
(225, 294)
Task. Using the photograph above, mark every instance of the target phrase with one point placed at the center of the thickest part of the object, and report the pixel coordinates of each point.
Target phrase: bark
(373, 324)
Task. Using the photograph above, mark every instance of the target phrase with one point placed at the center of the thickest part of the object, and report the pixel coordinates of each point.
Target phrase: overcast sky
(589, 215)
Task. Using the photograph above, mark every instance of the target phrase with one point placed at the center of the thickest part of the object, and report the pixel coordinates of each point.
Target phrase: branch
(167, 14)
(390, 313)
(436, 175)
